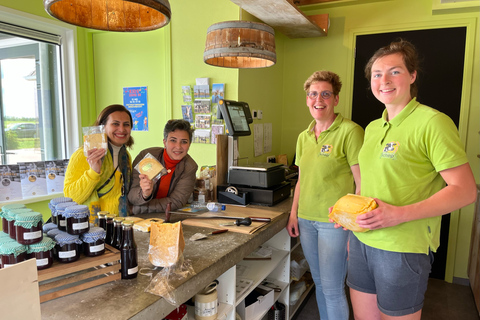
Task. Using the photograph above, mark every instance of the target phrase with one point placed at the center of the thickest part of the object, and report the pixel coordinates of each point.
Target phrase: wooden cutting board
(234, 211)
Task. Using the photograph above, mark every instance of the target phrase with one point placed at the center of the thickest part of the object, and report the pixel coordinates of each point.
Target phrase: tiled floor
(443, 301)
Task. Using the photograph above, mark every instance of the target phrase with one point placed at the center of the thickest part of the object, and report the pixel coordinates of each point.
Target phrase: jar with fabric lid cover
(10, 215)
(12, 253)
(54, 202)
(78, 219)
(49, 226)
(28, 227)
(93, 242)
(68, 247)
(59, 210)
(5, 208)
(4, 238)
(43, 252)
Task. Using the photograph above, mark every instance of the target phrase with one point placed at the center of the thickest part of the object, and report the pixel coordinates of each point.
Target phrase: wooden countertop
(127, 299)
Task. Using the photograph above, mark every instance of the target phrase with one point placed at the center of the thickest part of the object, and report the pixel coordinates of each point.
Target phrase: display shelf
(223, 312)
(294, 308)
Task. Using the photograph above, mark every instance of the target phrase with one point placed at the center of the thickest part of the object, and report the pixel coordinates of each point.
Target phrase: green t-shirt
(400, 163)
(325, 174)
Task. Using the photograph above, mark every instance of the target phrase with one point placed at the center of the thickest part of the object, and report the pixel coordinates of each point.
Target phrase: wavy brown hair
(105, 113)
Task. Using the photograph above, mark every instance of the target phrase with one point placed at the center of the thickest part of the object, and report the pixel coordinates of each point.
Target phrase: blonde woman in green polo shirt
(414, 165)
(328, 169)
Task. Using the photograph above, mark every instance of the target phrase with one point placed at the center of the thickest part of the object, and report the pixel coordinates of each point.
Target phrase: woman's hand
(146, 185)
(336, 225)
(385, 215)
(292, 225)
(94, 159)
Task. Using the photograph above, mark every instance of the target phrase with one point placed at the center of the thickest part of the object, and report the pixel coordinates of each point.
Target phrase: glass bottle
(109, 229)
(128, 252)
(102, 219)
(117, 232)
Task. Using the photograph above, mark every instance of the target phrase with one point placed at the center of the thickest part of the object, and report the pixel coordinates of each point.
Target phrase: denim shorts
(398, 279)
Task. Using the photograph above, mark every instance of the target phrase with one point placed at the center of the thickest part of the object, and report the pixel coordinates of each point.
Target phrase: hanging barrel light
(111, 15)
(240, 44)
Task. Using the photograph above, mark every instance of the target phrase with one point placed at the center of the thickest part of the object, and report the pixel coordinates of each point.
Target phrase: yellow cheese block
(347, 208)
(166, 244)
(150, 166)
(144, 225)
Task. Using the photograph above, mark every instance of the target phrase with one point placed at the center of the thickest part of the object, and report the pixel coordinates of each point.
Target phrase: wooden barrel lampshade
(240, 44)
(111, 15)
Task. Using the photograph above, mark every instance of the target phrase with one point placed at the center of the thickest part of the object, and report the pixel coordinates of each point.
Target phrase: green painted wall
(109, 61)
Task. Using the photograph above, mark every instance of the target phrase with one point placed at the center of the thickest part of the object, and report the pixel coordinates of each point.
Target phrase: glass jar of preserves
(12, 253)
(102, 219)
(93, 242)
(109, 229)
(78, 218)
(43, 252)
(5, 208)
(49, 226)
(117, 232)
(53, 203)
(128, 252)
(67, 247)
(4, 238)
(28, 227)
(60, 210)
(10, 215)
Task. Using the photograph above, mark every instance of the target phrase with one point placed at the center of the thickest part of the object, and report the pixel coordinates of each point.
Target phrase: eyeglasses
(324, 94)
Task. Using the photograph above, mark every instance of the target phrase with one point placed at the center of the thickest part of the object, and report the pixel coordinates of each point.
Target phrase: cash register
(262, 183)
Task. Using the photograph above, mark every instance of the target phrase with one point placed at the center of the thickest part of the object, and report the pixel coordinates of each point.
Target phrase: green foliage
(12, 140)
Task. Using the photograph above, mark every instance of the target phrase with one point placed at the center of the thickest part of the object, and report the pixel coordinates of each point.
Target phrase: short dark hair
(327, 76)
(178, 124)
(105, 113)
(409, 55)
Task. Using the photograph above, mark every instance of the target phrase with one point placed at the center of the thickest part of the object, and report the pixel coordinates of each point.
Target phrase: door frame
(465, 104)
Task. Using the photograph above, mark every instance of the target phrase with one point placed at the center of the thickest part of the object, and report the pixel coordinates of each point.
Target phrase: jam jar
(4, 239)
(28, 227)
(93, 242)
(78, 218)
(59, 210)
(68, 247)
(43, 252)
(49, 226)
(54, 202)
(5, 208)
(12, 253)
(11, 221)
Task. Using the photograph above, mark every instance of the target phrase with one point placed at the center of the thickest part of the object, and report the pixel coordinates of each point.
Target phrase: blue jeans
(325, 249)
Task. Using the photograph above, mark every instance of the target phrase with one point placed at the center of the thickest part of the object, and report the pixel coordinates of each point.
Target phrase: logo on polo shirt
(390, 150)
(326, 150)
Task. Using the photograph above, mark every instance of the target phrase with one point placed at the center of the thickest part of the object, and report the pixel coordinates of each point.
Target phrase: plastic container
(28, 227)
(198, 205)
(43, 252)
(93, 242)
(68, 247)
(54, 202)
(215, 206)
(77, 218)
(10, 215)
(12, 253)
(60, 210)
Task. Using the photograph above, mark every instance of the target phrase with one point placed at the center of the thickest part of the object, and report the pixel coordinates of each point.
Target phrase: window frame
(68, 56)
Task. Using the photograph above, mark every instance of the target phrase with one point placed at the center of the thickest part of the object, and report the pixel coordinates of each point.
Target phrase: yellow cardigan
(81, 184)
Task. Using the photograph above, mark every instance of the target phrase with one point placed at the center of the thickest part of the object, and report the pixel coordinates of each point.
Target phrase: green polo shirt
(400, 163)
(325, 174)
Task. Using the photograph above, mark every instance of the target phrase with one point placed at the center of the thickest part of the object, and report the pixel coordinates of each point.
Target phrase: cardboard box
(256, 304)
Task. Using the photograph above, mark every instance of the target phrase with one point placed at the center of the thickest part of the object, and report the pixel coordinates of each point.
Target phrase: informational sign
(135, 100)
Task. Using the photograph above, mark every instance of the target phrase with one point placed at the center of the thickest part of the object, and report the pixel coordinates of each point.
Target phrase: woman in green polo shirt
(414, 165)
(328, 169)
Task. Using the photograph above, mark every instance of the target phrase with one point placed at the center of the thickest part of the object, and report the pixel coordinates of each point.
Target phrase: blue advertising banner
(135, 100)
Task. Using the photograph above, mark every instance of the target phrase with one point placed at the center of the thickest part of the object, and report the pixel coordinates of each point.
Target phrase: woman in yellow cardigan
(102, 179)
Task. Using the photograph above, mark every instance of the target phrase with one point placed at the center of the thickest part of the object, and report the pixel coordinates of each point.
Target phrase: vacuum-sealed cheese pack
(166, 244)
(150, 166)
(347, 208)
(94, 137)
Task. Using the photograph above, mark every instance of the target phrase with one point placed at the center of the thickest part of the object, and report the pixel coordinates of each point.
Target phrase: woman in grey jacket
(178, 184)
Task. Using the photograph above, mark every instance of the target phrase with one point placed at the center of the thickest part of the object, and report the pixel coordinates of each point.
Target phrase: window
(36, 63)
